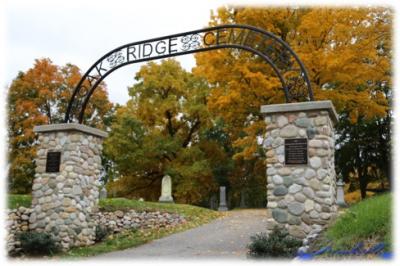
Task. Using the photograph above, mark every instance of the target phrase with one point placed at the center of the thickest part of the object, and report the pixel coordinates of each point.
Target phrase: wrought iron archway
(273, 50)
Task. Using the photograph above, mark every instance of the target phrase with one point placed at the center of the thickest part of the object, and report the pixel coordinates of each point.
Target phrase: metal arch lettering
(283, 60)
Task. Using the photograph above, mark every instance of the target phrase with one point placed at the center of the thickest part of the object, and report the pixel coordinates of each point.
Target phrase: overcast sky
(80, 32)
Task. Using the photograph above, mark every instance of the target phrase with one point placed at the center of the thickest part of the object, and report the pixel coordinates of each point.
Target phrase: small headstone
(242, 199)
(103, 193)
(222, 199)
(340, 194)
(213, 202)
(166, 189)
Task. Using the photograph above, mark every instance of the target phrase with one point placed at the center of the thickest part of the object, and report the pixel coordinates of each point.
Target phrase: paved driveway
(226, 237)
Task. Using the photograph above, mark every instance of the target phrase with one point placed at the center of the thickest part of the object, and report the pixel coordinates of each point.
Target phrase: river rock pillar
(65, 189)
(301, 179)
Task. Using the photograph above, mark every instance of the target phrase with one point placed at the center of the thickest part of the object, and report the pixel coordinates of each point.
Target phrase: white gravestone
(340, 194)
(222, 199)
(166, 189)
(103, 193)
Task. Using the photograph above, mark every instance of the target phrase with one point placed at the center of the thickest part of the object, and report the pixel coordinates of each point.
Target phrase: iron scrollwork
(274, 51)
(116, 59)
(190, 42)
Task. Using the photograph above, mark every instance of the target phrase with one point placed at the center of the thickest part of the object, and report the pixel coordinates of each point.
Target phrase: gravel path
(226, 237)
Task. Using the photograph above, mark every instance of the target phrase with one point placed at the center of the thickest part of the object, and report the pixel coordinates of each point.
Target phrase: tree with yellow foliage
(346, 51)
(160, 132)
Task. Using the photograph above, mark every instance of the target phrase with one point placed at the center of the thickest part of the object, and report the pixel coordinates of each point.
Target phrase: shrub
(278, 244)
(36, 244)
(101, 232)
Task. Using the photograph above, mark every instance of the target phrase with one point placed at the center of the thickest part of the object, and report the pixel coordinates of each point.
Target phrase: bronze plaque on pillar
(296, 151)
(53, 162)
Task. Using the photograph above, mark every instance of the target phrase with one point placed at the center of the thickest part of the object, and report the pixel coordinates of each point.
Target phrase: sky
(80, 32)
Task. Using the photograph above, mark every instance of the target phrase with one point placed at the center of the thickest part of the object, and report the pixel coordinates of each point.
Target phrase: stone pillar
(301, 178)
(222, 199)
(65, 189)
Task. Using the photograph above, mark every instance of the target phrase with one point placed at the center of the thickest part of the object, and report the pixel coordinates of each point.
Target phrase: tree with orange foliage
(40, 96)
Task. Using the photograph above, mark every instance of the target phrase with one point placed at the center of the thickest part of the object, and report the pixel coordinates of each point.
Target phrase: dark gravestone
(53, 162)
(222, 199)
(296, 151)
(213, 202)
(242, 199)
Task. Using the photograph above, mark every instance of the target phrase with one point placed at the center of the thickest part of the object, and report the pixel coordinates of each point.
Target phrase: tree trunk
(362, 178)
(363, 185)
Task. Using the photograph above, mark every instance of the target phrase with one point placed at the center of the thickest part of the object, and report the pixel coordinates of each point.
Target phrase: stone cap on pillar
(302, 106)
(70, 127)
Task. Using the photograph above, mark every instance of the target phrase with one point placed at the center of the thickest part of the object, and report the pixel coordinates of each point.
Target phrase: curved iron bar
(86, 100)
(116, 60)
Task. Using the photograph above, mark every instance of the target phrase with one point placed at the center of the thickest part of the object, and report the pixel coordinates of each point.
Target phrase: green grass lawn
(15, 201)
(369, 220)
(113, 204)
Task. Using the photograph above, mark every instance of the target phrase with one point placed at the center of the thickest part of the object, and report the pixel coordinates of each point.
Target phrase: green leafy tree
(365, 152)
